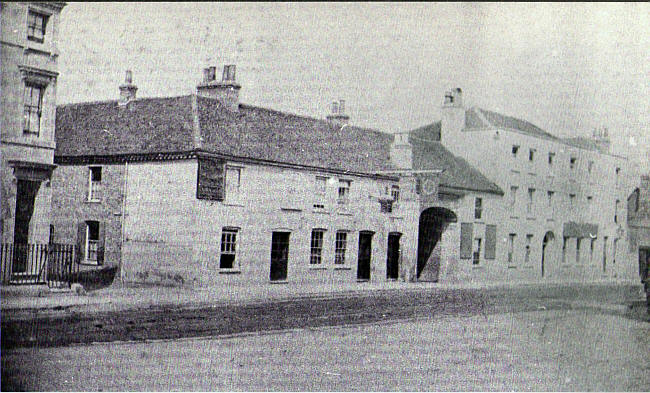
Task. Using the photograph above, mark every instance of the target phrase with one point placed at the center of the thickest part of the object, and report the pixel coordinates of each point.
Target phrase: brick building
(638, 218)
(201, 189)
(29, 57)
(563, 213)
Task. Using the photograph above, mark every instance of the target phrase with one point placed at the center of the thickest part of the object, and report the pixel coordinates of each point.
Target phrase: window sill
(479, 266)
(478, 221)
(530, 218)
(514, 171)
(344, 213)
(229, 271)
(291, 209)
(279, 282)
(342, 268)
(532, 174)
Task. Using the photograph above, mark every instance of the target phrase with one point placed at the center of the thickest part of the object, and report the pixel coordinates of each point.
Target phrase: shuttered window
(466, 240)
(490, 241)
(210, 179)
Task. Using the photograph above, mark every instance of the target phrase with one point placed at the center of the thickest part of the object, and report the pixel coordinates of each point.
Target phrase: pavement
(25, 299)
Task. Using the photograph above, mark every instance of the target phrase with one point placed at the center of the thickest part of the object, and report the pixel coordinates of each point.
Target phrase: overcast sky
(565, 67)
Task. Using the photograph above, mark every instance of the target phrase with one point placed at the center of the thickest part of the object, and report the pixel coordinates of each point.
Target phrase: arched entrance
(546, 250)
(433, 222)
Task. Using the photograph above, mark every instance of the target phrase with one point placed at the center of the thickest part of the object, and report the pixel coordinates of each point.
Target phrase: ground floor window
(228, 248)
(476, 255)
(92, 240)
(316, 256)
(339, 247)
(529, 241)
(511, 247)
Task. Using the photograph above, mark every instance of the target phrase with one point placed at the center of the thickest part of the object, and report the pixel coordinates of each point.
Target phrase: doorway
(279, 256)
(365, 255)
(392, 258)
(548, 240)
(26, 191)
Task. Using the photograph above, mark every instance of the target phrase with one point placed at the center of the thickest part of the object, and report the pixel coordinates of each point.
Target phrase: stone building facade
(29, 56)
(638, 217)
(563, 213)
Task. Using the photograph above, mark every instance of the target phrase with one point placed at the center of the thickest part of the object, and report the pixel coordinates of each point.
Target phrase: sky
(568, 68)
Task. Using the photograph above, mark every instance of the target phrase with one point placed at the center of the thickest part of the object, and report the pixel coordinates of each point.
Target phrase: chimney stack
(226, 90)
(128, 89)
(338, 116)
(601, 137)
(453, 119)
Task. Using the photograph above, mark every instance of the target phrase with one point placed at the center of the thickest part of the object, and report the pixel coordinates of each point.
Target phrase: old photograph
(203, 196)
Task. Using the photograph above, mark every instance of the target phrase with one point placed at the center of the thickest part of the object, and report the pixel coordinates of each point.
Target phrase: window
(321, 192)
(531, 154)
(564, 241)
(94, 183)
(478, 208)
(550, 194)
(511, 247)
(592, 243)
(233, 181)
(394, 193)
(515, 150)
(92, 241)
(551, 156)
(531, 198)
(344, 191)
(614, 247)
(618, 172)
(228, 248)
(33, 105)
(572, 162)
(618, 202)
(476, 255)
(339, 247)
(572, 201)
(513, 195)
(316, 256)
(578, 250)
(529, 241)
(36, 24)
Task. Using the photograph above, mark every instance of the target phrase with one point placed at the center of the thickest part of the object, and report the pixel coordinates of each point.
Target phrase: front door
(392, 259)
(279, 256)
(26, 191)
(365, 254)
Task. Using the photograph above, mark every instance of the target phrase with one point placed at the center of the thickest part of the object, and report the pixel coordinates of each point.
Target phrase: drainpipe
(123, 219)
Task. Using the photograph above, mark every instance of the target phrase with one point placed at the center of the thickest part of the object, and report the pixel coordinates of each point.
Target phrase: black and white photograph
(331, 196)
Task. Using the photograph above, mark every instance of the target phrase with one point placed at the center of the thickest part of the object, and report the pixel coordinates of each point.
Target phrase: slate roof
(174, 124)
(481, 118)
(429, 153)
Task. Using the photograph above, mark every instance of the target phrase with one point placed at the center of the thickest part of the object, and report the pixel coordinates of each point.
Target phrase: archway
(546, 250)
(433, 222)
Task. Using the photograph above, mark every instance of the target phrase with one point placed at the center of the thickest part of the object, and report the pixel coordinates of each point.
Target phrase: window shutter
(81, 241)
(100, 243)
(210, 179)
(466, 240)
(490, 241)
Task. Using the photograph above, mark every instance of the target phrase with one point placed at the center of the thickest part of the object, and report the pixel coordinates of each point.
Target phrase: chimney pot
(129, 77)
(342, 107)
(226, 90)
(128, 89)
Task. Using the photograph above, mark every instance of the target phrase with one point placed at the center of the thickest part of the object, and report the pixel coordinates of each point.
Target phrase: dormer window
(36, 24)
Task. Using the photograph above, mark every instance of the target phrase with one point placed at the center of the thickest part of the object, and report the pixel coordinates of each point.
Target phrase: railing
(37, 264)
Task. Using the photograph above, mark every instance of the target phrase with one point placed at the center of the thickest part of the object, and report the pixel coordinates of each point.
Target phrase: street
(536, 350)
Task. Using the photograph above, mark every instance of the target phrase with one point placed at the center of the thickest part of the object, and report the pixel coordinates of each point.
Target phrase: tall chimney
(226, 90)
(338, 116)
(127, 89)
(453, 119)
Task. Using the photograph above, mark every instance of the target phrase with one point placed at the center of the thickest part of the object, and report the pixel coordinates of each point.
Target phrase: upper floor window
(316, 246)
(515, 150)
(572, 200)
(228, 248)
(513, 195)
(618, 172)
(529, 241)
(339, 247)
(531, 199)
(531, 154)
(94, 183)
(476, 254)
(618, 202)
(550, 194)
(233, 181)
(36, 24)
(394, 193)
(478, 208)
(344, 191)
(511, 247)
(321, 192)
(551, 156)
(33, 108)
(572, 162)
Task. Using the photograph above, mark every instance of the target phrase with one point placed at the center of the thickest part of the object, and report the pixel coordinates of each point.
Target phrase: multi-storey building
(563, 213)
(29, 73)
(638, 217)
(202, 189)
